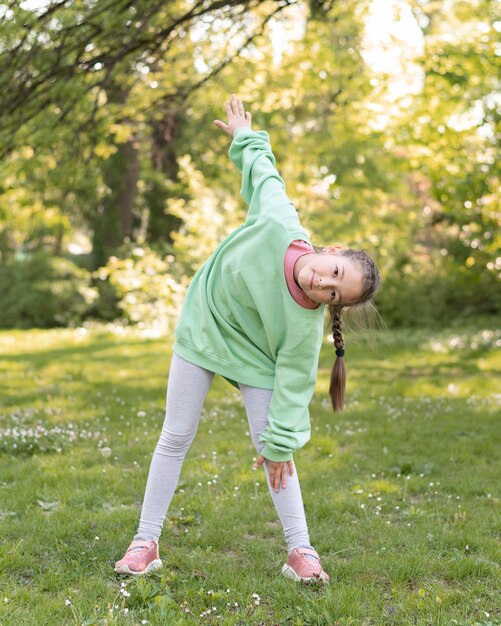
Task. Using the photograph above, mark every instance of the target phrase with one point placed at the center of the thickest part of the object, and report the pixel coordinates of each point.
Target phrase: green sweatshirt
(239, 319)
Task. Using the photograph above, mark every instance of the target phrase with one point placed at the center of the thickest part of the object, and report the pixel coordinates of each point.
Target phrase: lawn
(402, 489)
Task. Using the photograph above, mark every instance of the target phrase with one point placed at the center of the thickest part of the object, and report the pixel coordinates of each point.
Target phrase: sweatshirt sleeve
(263, 189)
(288, 415)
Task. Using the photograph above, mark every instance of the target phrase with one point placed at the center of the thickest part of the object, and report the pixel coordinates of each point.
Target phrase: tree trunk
(164, 160)
(114, 219)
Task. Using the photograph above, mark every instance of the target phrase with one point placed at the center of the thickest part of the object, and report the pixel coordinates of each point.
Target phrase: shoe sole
(124, 569)
(288, 572)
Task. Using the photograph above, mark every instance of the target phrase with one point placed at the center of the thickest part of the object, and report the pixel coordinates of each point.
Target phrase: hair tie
(339, 352)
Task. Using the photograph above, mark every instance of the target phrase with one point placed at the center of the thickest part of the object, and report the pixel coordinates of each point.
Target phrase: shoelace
(137, 548)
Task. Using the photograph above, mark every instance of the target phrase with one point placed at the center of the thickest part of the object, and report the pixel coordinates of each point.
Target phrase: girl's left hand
(237, 117)
(277, 470)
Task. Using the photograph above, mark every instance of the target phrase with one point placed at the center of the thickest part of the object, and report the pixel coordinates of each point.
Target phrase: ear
(332, 249)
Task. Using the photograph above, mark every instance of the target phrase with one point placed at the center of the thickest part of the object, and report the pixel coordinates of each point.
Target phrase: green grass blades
(401, 490)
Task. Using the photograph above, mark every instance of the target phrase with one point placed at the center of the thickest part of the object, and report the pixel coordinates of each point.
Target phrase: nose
(325, 283)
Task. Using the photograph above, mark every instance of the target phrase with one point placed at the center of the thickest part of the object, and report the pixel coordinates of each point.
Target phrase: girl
(254, 314)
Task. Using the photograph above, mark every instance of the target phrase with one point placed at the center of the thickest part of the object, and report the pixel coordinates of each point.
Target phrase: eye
(336, 271)
(333, 294)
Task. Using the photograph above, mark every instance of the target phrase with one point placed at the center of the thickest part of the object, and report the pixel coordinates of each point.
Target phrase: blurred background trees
(115, 185)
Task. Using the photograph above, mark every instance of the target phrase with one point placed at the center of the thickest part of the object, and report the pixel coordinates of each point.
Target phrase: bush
(421, 299)
(149, 288)
(43, 291)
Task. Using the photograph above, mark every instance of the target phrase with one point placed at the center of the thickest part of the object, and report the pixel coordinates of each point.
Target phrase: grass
(402, 490)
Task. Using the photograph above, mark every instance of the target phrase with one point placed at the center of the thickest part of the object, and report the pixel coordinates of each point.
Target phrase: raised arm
(263, 189)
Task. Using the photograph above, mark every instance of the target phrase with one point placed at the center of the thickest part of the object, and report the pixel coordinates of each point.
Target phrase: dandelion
(106, 452)
(67, 602)
(227, 591)
(125, 611)
(141, 414)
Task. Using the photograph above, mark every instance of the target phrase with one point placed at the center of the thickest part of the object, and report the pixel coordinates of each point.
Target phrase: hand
(277, 470)
(237, 117)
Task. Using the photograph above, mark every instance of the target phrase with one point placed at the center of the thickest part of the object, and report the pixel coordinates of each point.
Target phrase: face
(330, 278)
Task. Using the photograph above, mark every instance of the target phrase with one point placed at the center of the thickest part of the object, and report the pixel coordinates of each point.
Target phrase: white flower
(106, 452)
(67, 602)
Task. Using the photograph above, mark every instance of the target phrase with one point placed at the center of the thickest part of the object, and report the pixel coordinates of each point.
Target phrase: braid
(338, 374)
(337, 334)
(370, 286)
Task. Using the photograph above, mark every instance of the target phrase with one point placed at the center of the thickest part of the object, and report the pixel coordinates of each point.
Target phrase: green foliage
(147, 286)
(42, 291)
(421, 298)
(125, 152)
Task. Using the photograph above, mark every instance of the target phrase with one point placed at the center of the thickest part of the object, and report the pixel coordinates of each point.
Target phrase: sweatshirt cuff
(240, 128)
(273, 455)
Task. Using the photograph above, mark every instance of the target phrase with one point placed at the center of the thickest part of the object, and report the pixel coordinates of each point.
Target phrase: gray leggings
(186, 392)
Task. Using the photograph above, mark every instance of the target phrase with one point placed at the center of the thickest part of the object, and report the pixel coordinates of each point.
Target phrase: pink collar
(297, 249)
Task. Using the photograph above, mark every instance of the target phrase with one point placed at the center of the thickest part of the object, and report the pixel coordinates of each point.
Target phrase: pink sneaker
(301, 566)
(141, 557)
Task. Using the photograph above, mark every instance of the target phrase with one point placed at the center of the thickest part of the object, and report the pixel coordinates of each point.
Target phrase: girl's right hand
(237, 117)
